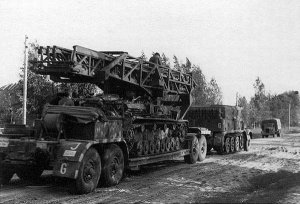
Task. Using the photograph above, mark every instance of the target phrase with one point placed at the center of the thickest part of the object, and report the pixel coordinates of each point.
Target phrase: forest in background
(261, 106)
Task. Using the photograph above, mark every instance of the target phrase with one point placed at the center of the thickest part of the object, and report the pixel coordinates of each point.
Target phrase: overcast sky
(233, 41)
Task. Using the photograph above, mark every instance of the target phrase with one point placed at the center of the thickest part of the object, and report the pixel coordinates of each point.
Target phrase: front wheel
(202, 148)
(89, 172)
(113, 165)
(193, 145)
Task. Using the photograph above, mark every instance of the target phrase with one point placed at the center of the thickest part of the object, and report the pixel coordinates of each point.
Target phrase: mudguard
(69, 157)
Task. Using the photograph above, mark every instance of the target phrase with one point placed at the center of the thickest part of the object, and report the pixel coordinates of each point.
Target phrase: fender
(69, 157)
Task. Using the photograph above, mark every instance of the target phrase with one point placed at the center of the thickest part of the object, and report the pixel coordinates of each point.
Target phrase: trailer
(136, 121)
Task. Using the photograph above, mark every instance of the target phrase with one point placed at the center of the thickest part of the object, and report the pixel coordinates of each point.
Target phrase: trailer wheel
(113, 165)
(30, 173)
(237, 143)
(227, 145)
(194, 151)
(5, 176)
(89, 172)
(202, 148)
(173, 144)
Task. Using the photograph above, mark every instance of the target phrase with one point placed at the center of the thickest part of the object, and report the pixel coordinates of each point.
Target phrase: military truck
(271, 126)
(228, 132)
(138, 120)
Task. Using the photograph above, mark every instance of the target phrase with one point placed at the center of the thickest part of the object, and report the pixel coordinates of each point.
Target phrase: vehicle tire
(30, 173)
(232, 144)
(151, 147)
(246, 144)
(273, 135)
(278, 135)
(227, 145)
(193, 145)
(237, 144)
(5, 176)
(262, 136)
(202, 148)
(113, 165)
(89, 172)
(145, 147)
(172, 144)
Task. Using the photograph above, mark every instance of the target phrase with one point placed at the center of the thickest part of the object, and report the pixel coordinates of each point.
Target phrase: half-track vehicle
(228, 132)
(138, 120)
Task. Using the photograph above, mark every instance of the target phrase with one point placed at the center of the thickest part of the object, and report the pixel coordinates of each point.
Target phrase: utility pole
(289, 115)
(25, 80)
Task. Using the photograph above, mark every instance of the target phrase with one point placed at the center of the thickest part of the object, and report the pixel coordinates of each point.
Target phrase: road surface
(268, 173)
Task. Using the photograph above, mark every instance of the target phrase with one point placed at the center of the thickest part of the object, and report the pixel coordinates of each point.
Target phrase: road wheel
(157, 146)
(172, 144)
(151, 147)
(193, 145)
(241, 142)
(89, 172)
(145, 147)
(177, 143)
(227, 145)
(273, 135)
(30, 173)
(139, 148)
(232, 144)
(168, 144)
(278, 135)
(246, 144)
(5, 176)
(237, 143)
(162, 146)
(202, 148)
(113, 165)
(262, 136)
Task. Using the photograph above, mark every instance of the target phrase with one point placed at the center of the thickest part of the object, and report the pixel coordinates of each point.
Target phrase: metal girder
(86, 65)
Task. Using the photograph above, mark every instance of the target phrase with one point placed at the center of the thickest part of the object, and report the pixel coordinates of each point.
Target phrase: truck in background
(271, 126)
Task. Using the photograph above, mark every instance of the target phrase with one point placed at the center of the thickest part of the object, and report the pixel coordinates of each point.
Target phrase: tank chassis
(228, 132)
(139, 120)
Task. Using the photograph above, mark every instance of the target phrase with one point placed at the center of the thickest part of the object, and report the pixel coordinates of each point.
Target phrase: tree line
(263, 105)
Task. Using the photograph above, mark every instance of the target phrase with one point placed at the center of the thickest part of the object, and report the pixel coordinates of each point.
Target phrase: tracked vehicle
(228, 132)
(138, 120)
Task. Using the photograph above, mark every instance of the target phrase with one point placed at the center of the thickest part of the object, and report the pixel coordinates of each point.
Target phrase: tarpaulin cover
(80, 114)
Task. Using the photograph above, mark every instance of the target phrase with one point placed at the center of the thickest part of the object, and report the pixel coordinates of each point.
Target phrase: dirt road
(268, 173)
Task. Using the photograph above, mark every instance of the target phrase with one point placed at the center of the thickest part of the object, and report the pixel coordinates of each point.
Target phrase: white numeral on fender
(63, 168)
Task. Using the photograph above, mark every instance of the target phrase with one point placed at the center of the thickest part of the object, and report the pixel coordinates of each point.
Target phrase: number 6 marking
(63, 168)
